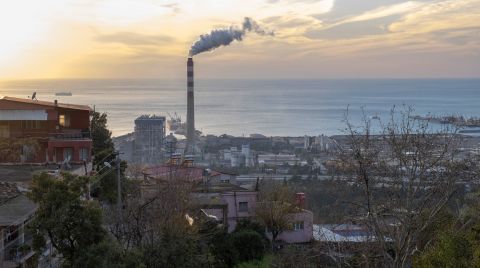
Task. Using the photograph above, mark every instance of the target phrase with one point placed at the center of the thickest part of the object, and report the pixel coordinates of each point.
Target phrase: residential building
(218, 197)
(41, 132)
(16, 211)
(227, 202)
(301, 230)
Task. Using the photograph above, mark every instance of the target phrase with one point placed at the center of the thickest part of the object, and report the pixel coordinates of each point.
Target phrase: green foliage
(454, 242)
(224, 251)
(450, 250)
(71, 223)
(103, 151)
(248, 225)
(249, 245)
(101, 136)
(265, 262)
(106, 188)
(108, 254)
(176, 250)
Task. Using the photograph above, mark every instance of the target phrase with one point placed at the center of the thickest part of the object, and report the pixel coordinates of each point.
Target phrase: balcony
(70, 135)
(17, 245)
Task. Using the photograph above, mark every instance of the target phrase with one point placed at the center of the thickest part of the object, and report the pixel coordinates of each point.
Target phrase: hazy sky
(313, 39)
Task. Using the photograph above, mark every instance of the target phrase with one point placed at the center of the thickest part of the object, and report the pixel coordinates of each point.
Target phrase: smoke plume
(223, 37)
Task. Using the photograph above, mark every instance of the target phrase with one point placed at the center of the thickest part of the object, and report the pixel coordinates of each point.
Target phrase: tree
(249, 245)
(101, 136)
(108, 254)
(450, 250)
(274, 208)
(408, 174)
(456, 244)
(71, 223)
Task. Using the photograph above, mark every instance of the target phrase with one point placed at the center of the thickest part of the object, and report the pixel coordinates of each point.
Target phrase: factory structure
(148, 144)
(149, 137)
(190, 148)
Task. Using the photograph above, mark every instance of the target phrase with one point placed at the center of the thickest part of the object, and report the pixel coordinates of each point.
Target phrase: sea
(269, 107)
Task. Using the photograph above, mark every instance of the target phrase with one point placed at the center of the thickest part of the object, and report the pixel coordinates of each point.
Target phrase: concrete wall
(233, 200)
(298, 236)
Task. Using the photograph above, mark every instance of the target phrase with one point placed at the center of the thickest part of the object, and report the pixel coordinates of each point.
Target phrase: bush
(249, 244)
(224, 251)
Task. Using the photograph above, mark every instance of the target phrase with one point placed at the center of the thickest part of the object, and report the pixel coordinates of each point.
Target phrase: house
(231, 203)
(218, 197)
(40, 132)
(301, 228)
(16, 210)
(226, 202)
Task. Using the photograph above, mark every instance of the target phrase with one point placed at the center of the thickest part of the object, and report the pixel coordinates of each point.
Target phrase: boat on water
(68, 94)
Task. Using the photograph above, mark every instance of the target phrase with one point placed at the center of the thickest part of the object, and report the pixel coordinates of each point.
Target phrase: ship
(68, 94)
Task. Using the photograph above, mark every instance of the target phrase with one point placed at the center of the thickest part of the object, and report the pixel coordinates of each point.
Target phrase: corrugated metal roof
(48, 103)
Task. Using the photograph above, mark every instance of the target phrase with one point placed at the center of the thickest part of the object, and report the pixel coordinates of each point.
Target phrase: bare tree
(408, 173)
(274, 208)
(134, 170)
(150, 211)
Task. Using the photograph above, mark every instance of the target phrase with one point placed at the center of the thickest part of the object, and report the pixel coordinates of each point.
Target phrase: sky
(313, 39)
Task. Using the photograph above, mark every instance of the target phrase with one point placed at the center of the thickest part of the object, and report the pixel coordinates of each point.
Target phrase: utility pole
(119, 188)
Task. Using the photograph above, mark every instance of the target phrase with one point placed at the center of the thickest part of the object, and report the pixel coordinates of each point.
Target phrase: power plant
(190, 148)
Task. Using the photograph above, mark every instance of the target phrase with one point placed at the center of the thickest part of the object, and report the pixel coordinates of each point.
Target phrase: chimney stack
(190, 149)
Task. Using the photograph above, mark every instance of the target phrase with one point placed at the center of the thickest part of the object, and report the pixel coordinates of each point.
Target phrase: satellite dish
(34, 96)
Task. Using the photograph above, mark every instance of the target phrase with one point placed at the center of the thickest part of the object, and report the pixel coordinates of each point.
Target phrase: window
(298, 225)
(83, 154)
(31, 124)
(243, 206)
(67, 154)
(64, 120)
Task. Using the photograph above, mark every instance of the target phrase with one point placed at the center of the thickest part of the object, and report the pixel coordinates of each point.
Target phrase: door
(67, 154)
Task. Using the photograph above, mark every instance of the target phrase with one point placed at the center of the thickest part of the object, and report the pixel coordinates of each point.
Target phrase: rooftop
(219, 188)
(16, 210)
(8, 191)
(175, 171)
(14, 206)
(48, 103)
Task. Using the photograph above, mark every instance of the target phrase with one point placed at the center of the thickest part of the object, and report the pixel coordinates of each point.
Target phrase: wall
(298, 236)
(233, 199)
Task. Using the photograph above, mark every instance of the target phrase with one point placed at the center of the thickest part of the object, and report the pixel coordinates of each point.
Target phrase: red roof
(48, 103)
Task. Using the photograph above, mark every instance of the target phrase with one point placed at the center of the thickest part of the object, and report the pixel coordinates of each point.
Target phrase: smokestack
(190, 109)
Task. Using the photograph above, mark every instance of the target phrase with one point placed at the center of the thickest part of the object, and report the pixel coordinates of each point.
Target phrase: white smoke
(223, 37)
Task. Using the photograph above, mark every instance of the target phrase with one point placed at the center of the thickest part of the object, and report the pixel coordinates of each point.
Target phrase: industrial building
(149, 137)
(190, 148)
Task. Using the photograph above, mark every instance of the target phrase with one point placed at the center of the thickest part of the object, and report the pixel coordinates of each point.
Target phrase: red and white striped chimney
(190, 149)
